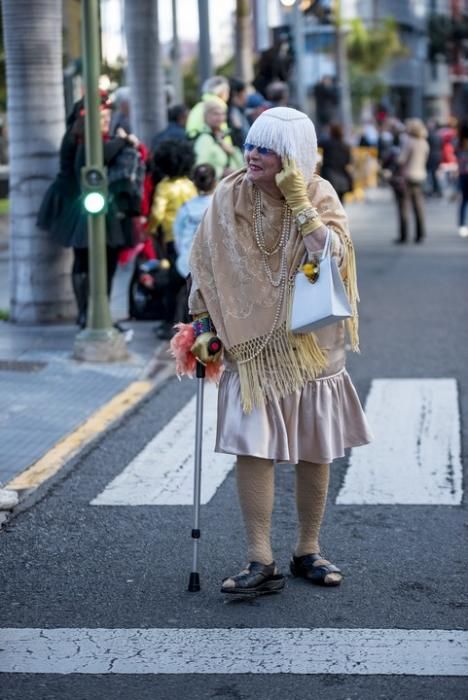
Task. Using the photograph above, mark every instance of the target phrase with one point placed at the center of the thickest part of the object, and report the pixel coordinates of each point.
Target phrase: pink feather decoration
(186, 362)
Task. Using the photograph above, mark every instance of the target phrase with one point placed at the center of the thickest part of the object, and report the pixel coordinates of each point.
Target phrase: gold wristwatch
(306, 216)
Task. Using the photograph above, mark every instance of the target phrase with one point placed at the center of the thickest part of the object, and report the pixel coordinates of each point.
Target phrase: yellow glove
(293, 187)
(291, 183)
(204, 348)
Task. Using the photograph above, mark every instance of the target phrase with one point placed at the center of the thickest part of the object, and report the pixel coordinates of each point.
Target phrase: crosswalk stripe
(162, 473)
(413, 459)
(415, 455)
(232, 651)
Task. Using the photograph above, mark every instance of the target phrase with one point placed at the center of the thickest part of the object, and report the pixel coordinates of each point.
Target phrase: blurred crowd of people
(417, 160)
(160, 191)
(420, 160)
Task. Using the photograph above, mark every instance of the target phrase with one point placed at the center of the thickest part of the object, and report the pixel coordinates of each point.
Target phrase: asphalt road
(68, 564)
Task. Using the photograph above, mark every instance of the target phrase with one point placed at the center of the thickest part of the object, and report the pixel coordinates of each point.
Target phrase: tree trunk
(145, 70)
(39, 269)
(244, 57)
(205, 65)
(176, 68)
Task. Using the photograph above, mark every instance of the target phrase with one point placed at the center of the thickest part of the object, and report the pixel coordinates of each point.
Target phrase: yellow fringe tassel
(350, 282)
(282, 367)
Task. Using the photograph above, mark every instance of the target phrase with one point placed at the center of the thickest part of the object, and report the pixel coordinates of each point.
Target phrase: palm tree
(244, 58)
(145, 69)
(39, 270)
(369, 51)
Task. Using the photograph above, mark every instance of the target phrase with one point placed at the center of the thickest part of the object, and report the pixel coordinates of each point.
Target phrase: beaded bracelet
(202, 325)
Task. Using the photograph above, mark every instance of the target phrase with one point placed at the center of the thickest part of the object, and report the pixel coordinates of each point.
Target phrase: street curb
(72, 443)
(156, 373)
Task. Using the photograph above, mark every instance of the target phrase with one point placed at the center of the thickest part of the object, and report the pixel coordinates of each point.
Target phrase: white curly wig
(288, 132)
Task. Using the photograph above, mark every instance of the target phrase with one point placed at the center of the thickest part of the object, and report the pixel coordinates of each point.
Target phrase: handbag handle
(326, 247)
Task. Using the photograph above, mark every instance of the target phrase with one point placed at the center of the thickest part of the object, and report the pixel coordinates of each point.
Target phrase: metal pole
(299, 56)
(194, 580)
(98, 311)
(262, 32)
(99, 342)
(205, 66)
(176, 73)
(341, 60)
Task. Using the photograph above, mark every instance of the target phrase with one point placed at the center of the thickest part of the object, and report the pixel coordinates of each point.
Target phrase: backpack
(126, 176)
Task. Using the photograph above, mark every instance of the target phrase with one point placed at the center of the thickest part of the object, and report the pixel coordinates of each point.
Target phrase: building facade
(417, 86)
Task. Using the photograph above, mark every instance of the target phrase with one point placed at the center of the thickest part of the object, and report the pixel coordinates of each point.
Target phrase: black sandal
(316, 569)
(256, 579)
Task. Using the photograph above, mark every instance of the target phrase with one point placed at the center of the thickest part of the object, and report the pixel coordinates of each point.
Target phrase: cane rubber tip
(194, 582)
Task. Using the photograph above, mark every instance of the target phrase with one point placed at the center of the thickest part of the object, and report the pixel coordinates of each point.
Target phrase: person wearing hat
(256, 104)
(62, 213)
(282, 397)
(214, 89)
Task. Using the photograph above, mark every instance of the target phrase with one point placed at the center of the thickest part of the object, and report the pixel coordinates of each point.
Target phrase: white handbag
(321, 302)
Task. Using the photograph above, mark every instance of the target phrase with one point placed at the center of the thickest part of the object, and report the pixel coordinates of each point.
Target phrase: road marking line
(66, 448)
(162, 473)
(415, 456)
(231, 651)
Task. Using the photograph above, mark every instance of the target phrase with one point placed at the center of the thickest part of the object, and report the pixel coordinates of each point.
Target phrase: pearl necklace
(283, 275)
(279, 246)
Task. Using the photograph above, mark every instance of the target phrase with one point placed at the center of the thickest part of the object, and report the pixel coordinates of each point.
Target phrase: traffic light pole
(99, 342)
(341, 61)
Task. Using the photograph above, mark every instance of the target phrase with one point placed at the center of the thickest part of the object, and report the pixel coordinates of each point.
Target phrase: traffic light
(94, 189)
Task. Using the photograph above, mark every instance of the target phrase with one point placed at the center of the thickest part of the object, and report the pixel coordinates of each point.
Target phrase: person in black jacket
(236, 116)
(175, 129)
(434, 159)
(62, 213)
(336, 161)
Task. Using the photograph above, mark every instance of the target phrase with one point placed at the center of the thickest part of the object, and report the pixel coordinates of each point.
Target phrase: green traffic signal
(94, 202)
(94, 189)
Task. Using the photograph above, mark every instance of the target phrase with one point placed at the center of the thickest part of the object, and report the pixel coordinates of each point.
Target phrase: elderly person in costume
(282, 397)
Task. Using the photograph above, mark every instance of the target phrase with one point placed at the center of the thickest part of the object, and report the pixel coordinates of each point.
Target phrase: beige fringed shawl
(229, 281)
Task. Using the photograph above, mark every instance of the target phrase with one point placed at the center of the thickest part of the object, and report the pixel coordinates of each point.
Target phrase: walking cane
(194, 581)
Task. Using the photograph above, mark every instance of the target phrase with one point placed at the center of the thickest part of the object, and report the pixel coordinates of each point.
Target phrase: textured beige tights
(256, 488)
(311, 497)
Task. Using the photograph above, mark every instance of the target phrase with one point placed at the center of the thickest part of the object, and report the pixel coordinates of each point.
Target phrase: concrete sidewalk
(46, 395)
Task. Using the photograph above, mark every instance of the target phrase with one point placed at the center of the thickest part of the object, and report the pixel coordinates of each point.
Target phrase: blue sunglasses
(261, 149)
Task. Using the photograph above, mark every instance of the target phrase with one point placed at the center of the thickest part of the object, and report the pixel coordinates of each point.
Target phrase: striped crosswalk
(415, 455)
(414, 458)
(234, 651)
(162, 473)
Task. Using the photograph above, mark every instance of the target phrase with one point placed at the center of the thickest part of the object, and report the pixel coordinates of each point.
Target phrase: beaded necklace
(283, 267)
(280, 246)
